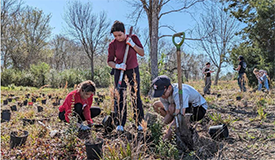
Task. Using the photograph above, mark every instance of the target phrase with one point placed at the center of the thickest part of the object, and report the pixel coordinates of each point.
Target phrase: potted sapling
(94, 146)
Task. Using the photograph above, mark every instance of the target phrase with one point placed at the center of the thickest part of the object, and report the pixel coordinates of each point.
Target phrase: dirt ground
(250, 120)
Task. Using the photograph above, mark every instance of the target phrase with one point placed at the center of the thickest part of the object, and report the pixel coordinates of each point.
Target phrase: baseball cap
(159, 84)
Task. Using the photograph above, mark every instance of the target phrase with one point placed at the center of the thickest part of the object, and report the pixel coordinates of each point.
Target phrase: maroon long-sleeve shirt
(117, 49)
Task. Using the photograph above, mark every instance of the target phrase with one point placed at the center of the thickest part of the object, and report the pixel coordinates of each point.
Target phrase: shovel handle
(180, 35)
(124, 60)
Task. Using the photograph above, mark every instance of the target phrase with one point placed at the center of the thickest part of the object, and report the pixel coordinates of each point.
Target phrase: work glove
(121, 66)
(84, 128)
(130, 42)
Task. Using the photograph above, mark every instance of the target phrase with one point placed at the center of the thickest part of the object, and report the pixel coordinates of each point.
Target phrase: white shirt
(189, 95)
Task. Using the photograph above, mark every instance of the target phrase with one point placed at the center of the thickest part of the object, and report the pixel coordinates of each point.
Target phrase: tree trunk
(217, 75)
(154, 41)
(92, 68)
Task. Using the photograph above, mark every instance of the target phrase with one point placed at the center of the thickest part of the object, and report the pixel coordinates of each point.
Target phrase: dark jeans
(136, 101)
(241, 82)
(95, 111)
(197, 112)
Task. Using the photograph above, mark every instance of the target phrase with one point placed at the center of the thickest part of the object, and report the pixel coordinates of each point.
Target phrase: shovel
(178, 45)
(124, 61)
(122, 71)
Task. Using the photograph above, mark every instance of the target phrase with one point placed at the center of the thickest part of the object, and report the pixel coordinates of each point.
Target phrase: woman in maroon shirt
(116, 52)
(81, 99)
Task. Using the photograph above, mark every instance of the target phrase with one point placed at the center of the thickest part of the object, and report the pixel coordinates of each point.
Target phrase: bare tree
(153, 10)
(87, 28)
(24, 34)
(59, 54)
(36, 33)
(218, 30)
(10, 10)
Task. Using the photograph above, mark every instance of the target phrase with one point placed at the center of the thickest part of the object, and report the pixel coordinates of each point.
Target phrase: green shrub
(10, 76)
(39, 72)
(145, 79)
(102, 76)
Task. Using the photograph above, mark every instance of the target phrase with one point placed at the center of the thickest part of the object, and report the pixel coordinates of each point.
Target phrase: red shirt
(66, 106)
(117, 49)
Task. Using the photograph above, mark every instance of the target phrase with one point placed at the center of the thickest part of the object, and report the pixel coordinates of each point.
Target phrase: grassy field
(250, 120)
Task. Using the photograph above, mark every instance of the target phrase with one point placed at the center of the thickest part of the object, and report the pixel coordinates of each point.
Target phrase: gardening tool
(178, 45)
(124, 61)
(122, 71)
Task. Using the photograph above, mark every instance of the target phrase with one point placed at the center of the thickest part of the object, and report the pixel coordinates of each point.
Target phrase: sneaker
(119, 128)
(140, 128)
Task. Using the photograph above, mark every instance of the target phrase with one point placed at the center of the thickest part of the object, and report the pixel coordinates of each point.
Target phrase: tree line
(27, 40)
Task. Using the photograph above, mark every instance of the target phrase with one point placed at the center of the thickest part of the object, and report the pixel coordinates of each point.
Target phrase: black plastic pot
(25, 102)
(28, 121)
(18, 140)
(9, 99)
(13, 108)
(238, 98)
(39, 109)
(94, 151)
(5, 102)
(43, 101)
(218, 132)
(33, 100)
(20, 104)
(5, 115)
(27, 95)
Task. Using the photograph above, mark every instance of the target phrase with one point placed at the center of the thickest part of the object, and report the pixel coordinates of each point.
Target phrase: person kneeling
(82, 98)
(169, 104)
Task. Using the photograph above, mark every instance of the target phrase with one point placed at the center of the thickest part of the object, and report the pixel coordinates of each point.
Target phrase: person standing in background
(241, 77)
(207, 78)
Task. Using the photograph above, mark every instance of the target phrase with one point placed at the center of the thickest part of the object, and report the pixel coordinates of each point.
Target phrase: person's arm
(67, 106)
(111, 58)
(238, 68)
(203, 70)
(87, 112)
(135, 43)
(165, 104)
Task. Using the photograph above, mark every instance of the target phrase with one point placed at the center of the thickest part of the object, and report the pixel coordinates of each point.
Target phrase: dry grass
(251, 131)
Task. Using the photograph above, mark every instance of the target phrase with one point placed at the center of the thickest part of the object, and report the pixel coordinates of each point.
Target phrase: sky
(118, 10)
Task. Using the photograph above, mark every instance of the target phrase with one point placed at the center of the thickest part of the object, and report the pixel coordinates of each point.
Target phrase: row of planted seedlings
(25, 109)
(67, 145)
(12, 103)
(21, 123)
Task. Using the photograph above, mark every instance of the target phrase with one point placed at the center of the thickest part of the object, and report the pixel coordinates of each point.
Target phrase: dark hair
(87, 86)
(118, 26)
(207, 63)
(241, 57)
